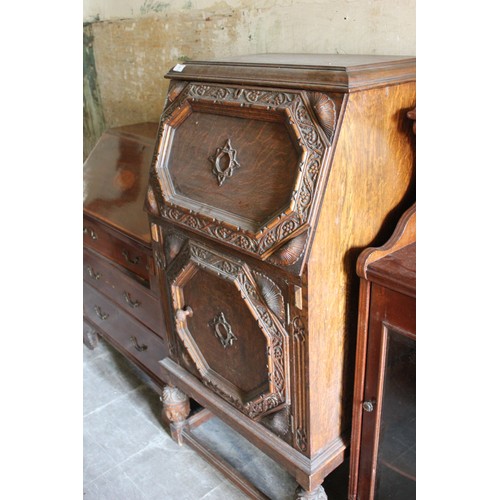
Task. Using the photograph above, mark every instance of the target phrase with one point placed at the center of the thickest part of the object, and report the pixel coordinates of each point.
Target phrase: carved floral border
(299, 108)
(238, 273)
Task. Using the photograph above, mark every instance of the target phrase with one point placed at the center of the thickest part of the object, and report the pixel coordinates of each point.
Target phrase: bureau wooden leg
(90, 337)
(175, 410)
(316, 494)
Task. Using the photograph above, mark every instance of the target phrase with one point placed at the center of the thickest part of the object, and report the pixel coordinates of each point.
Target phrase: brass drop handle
(90, 232)
(93, 274)
(183, 313)
(100, 313)
(368, 406)
(130, 260)
(137, 346)
(129, 301)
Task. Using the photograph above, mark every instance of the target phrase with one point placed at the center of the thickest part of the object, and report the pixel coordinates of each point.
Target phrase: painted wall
(135, 42)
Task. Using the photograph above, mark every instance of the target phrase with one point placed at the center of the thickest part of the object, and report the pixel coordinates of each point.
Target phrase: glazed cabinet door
(229, 328)
(387, 466)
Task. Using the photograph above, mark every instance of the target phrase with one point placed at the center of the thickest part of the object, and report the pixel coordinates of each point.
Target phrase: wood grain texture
(371, 177)
(326, 72)
(387, 297)
(309, 473)
(404, 234)
(303, 181)
(250, 344)
(360, 368)
(127, 335)
(124, 289)
(357, 177)
(261, 185)
(117, 247)
(120, 293)
(115, 177)
(397, 271)
(390, 312)
(213, 296)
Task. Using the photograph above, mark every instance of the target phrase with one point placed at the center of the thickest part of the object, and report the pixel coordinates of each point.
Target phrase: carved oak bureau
(270, 174)
(120, 294)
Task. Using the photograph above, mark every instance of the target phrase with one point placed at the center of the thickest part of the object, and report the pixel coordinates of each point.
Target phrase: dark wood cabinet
(269, 175)
(383, 445)
(120, 292)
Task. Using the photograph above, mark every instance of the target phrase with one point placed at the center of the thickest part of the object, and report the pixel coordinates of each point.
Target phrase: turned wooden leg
(175, 410)
(316, 494)
(90, 337)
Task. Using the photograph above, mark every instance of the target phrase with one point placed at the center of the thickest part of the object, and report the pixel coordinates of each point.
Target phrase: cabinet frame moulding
(312, 120)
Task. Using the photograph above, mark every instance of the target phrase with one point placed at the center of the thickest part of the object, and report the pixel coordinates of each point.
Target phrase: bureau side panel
(370, 185)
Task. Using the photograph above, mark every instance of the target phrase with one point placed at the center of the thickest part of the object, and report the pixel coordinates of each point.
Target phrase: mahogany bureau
(270, 174)
(120, 294)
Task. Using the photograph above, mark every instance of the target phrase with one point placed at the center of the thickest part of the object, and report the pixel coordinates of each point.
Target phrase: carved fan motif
(151, 200)
(272, 295)
(324, 109)
(290, 252)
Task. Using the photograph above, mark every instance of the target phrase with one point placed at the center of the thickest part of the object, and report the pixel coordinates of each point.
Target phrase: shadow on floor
(128, 454)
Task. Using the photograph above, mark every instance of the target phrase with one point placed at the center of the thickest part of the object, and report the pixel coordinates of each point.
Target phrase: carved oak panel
(275, 143)
(229, 319)
(244, 169)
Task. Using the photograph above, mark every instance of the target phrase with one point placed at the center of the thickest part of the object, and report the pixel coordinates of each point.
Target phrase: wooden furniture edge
(339, 78)
(309, 472)
(240, 481)
(357, 412)
(118, 232)
(403, 235)
(156, 383)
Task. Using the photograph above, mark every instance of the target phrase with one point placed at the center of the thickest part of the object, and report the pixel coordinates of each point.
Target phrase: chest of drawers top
(115, 177)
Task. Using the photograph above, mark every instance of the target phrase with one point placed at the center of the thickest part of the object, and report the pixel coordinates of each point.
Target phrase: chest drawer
(132, 256)
(124, 290)
(129, 336)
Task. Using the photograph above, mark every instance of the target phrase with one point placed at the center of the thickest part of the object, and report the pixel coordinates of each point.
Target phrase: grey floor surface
(128, 454)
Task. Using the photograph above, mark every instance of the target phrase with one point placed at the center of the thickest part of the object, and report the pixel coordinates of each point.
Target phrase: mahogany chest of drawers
(269, 175)
(120, 294)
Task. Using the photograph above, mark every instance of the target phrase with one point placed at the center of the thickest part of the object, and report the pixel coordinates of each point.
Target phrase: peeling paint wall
(135, 42)
(93, 118)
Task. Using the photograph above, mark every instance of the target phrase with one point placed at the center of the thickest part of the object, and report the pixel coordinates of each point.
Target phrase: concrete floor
(128, 455)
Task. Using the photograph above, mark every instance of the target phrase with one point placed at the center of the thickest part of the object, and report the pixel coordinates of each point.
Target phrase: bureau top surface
(337, 72)
(115, 179)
